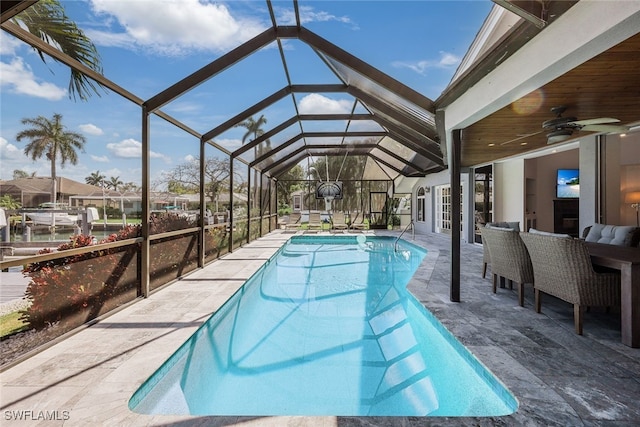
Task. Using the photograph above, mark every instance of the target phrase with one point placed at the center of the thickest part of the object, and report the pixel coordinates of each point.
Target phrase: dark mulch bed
(12, 347)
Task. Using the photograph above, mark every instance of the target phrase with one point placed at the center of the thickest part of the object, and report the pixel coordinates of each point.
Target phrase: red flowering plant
(72, 290)
(75, 289)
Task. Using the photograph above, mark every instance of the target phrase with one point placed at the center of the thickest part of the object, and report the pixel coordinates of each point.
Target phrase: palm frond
(48, 21)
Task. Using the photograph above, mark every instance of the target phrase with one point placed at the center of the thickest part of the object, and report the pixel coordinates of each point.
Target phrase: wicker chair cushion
(513, 225)
(546, 233)
(619, 235)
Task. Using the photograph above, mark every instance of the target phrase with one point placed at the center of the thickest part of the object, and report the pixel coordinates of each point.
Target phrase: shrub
(284, 210)
(89, 283)
(74, 289)
(215, 239)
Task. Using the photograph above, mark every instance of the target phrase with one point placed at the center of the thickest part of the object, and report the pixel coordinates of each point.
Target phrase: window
(297, 203)
(443, 209)
(421, 204)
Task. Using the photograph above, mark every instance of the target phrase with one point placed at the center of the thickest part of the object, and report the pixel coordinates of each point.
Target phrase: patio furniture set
(600, 269)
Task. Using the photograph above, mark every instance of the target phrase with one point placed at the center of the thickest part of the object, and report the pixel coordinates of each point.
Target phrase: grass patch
(10, 324)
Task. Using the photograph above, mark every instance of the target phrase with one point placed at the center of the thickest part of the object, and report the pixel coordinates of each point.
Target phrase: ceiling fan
(561, 128)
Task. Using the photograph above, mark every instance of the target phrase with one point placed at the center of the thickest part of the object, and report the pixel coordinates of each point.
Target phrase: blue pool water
(326, 327)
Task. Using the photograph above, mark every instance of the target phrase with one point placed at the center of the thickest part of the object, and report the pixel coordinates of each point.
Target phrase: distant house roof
(42, 185)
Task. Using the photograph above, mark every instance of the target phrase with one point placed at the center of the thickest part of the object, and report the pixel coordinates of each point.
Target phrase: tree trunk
(54, 189)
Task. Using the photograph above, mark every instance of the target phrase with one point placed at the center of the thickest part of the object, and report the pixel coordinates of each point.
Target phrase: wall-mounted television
(568, 184)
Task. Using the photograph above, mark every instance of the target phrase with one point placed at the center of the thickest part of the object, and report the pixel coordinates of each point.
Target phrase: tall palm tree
(96, 178)
(254, 128)
(114, 182)
(129, 187)
(47, 20)
(49, 138)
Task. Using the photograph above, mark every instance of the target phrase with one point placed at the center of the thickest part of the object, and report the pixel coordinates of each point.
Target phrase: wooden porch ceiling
(606, 86)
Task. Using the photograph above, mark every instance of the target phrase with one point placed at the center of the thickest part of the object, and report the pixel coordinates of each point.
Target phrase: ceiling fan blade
(521, 137)
(598, 121)
(605, 128)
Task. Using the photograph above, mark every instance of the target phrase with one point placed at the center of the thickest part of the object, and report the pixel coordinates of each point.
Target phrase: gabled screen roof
(371, 114)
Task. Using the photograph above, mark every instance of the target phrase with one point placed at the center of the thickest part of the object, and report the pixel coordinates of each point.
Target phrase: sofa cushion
(619, 235)
(546, 233)
(515, 225)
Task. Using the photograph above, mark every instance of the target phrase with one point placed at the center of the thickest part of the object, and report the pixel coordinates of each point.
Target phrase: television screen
(329, 189)
(568, 184)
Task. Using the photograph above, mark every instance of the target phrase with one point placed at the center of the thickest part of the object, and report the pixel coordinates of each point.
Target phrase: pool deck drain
(559, 378)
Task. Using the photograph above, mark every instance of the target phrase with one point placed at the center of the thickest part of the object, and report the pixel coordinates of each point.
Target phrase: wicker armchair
(509, 258)
(562, 268)
(486, 256)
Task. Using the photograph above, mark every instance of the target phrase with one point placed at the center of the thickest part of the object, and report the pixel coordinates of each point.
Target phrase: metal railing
(413, 235)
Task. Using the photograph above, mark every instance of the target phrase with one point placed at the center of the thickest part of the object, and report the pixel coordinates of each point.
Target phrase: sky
(148, 45)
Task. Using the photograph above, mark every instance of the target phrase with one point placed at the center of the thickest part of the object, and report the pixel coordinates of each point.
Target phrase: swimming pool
(326, 327)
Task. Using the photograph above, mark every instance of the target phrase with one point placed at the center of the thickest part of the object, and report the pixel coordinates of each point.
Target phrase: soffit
(606, 86)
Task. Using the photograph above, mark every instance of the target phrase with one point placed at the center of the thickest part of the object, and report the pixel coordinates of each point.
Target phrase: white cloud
(91, 129)
(115, 172)
(100, 159)
(12, 158)
(132, 149)
(309, 14)
(106, 39)
(9, 151)
(320, 104)
(189, 158)
(172, 27)
(184, 107)
(446, 60)
(8, 44)
(19, 78)
(229, 143)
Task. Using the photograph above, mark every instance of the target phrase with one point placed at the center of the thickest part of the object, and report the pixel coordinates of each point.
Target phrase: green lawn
(10, 324)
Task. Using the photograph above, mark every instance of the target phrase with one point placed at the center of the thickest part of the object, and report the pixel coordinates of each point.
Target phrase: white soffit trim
(584, 31)
(497, 24)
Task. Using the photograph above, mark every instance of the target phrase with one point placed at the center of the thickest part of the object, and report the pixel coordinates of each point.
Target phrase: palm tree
(129, 187)
(254, 128)
(114, 182)
(47, 20)
(18, 173)
(49, 138)
(9, 202)
(96, 178)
